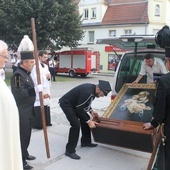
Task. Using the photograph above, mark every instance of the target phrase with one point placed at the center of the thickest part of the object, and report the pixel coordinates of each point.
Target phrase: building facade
(110, 18)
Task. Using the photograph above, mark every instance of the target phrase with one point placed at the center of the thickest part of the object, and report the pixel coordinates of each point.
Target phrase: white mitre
(26, 44)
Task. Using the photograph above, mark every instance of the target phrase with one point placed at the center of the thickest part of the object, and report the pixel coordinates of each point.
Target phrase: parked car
(136, 46)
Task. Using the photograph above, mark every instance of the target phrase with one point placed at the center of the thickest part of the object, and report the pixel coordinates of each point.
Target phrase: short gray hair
(3, 46)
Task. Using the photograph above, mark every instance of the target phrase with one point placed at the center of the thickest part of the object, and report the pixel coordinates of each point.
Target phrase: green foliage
(8, 77)
(57, 22)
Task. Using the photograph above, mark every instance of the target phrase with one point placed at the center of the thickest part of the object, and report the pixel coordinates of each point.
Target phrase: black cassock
(22, 88)
(161, 114)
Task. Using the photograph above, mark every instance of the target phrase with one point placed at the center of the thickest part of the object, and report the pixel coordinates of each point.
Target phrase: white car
(137, 46)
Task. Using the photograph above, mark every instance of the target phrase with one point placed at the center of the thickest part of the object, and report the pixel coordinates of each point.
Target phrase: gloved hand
(39, 88)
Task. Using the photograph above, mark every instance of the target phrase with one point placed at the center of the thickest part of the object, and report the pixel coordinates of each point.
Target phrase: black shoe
(72, 155)
(88, 145)
(27, 167)
(29, 157)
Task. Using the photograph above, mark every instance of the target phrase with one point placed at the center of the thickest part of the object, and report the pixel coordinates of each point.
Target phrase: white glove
(39, 88)
(46, 102)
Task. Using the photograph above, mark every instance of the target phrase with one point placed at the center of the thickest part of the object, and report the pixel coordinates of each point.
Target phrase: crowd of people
(22, 111)
(24, 107)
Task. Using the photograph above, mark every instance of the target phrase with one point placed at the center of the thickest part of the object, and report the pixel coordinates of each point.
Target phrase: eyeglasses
(4, 57)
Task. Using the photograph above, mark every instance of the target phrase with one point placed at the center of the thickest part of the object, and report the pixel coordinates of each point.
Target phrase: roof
(126, 12)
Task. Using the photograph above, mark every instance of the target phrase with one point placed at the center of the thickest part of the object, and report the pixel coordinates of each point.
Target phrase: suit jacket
(80, 99)
(161, 111)
(22, 87)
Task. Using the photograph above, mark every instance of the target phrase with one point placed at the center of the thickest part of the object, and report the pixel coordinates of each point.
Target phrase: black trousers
(36, 121)
(163, 156)
(25, 135)
(75, 123)
(52, 72)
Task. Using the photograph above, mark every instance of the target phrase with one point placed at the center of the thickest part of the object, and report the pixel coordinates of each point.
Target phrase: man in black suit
(75, 104)
(22, 87)
(161, 116)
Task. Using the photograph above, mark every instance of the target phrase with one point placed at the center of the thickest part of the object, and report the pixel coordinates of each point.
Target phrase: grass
(58, 78)
(8, 78)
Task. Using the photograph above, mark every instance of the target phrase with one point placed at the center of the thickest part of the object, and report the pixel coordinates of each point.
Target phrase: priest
(10, 149)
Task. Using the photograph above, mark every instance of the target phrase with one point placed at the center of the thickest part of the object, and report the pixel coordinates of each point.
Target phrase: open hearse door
(136, 47)
(122, 122)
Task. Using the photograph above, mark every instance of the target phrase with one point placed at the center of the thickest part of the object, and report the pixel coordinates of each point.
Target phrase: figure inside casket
(136, 104)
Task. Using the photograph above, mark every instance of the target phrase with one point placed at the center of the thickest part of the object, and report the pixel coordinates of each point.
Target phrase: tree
(57, 22)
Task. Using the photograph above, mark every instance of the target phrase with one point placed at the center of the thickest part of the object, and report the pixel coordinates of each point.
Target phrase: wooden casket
(122, 123)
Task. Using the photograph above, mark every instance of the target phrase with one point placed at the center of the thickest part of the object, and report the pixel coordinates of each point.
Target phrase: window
(112, 33)
(93, 13)
(128, 32)
(86, 13)
(129, 70)
(91, 36)
(157, 10)
(113, 61)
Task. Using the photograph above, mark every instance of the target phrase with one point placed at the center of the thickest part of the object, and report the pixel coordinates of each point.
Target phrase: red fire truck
(78, 61)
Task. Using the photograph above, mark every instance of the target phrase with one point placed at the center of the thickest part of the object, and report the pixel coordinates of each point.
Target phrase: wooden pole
(155, 149)
(39, 82)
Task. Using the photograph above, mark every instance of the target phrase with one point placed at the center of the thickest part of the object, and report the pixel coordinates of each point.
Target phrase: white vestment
(44, 81)
(10, 149)
(2, 73)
